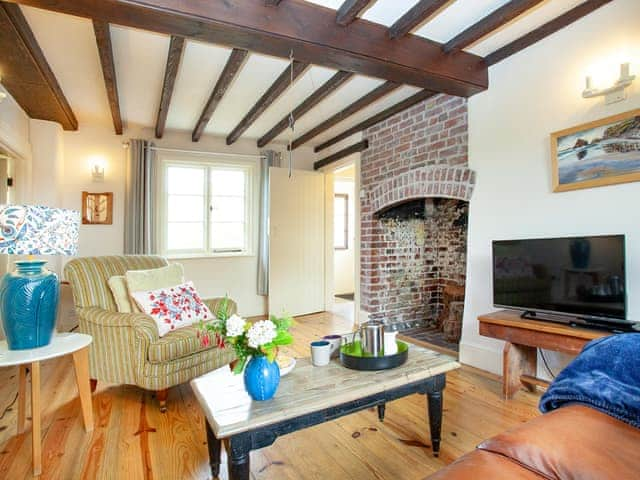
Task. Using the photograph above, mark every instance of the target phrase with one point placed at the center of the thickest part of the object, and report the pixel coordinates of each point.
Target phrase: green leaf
(240, 365)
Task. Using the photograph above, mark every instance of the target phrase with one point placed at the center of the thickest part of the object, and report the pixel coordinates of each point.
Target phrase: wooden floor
(133, 440)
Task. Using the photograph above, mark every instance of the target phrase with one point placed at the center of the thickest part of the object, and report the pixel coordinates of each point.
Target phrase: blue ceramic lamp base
(29, 305)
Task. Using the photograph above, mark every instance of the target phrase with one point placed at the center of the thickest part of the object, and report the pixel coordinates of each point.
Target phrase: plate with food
(286, 364)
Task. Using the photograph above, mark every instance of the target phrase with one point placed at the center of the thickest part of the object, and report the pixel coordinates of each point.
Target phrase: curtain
(139, 222)
(270, 159)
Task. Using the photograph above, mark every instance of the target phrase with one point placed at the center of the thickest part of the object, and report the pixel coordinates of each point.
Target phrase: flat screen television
(582, 278)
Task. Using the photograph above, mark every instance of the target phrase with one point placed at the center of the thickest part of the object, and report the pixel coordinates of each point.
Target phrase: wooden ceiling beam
(174, 57)
(229, 73)
(272, 3)
(26, 74)
(282, 83)
(364, 101)
(105, 51)
(345, 152)
(544, 31)
(349, 11)
(419, 13)
(496, 19)
(371, 121)
(308, 29)
(316, 97)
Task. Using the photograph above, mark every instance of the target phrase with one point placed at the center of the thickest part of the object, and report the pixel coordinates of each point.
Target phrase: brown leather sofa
(572, 443)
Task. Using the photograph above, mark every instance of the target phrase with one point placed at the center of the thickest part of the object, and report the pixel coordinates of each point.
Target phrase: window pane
(227, 182)
(228, 209)
(185, 236)
(186, 208)
(225, 236)
(185, 180)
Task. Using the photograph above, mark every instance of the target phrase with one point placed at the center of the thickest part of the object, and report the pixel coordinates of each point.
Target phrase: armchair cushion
(118, 286)
(176, 344)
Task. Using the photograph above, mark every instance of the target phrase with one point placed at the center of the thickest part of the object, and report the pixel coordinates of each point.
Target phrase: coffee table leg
(381, 409)
(238, 456)
(214, 446)
(434, 401)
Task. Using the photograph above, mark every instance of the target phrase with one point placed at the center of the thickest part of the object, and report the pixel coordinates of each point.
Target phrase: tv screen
(577, 276)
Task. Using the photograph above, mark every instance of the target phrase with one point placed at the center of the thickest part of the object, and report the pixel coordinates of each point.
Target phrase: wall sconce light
(97, 169)
(615, 93)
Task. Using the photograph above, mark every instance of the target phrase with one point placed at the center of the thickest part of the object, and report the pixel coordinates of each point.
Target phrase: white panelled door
(296, 242)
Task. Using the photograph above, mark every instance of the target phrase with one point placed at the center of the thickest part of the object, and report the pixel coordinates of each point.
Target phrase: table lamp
(29, 295)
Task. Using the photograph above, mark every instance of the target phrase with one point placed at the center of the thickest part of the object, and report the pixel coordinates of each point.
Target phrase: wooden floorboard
(133, 440)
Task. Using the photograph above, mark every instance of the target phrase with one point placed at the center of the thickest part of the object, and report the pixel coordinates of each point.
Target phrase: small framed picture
(604, 152)
(97, 208)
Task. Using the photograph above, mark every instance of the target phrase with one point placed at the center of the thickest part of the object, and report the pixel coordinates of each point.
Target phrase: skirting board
(481, 357)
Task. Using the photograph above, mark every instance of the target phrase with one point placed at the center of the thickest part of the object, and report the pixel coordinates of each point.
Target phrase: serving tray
(351, 356)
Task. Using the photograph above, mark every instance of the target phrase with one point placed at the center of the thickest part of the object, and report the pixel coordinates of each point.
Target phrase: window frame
(209, 162)
(345, 197)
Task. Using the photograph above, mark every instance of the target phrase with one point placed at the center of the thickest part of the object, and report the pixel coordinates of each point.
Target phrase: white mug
(320, 353)
(390, 345)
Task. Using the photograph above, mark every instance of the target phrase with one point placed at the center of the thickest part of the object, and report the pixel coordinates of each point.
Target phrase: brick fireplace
(416, 187)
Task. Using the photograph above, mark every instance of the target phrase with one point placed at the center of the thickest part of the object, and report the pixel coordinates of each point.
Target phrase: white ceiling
(140, 58)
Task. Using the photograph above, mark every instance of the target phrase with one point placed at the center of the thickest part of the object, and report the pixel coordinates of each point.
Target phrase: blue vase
(261, 378)
(28, 305)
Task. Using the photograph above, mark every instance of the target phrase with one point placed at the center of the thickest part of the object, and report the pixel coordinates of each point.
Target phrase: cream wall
(217, 276)
(532, 94)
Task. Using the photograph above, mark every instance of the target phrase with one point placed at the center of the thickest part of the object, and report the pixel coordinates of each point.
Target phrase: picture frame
(97, 208)
(598, 153)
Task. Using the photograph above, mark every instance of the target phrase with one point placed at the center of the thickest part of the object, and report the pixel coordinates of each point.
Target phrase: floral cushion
(173, 307)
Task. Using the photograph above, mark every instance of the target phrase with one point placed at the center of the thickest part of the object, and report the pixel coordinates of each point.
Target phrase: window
(341, 221)
(206, 208)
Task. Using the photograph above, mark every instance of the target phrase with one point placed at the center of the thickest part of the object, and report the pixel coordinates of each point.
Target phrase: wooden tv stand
(524, 337)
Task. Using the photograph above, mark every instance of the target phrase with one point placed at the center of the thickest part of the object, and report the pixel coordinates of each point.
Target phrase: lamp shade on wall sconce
(29, 295)
(97, 169)
(614, 93)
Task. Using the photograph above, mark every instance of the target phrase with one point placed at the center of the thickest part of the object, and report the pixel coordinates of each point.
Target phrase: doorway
(346, 251)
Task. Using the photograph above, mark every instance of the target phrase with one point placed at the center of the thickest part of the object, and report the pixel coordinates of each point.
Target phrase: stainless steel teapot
(372, 337)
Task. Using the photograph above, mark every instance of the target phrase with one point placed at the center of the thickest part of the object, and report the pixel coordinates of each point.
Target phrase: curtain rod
(201, 152)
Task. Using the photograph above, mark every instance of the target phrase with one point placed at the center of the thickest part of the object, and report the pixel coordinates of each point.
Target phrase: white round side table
(76, 344)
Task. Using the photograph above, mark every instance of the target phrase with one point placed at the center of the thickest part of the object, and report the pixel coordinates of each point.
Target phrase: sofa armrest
(215, 303)
(142, 323)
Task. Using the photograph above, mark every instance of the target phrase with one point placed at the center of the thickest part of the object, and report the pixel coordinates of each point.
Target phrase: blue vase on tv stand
(580, 250)
(29, 304)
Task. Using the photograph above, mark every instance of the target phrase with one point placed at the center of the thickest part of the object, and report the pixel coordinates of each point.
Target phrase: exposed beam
(371, 121)
(309, 30)
(176, 47)
(349, 11)
(544, 31)
(291, 73)
(105, 51)
(26, 74)
(272, 3)
(231, 69)
(345, 152)
(490, 23)
(420, 12)
(364, 101)
(316, 97)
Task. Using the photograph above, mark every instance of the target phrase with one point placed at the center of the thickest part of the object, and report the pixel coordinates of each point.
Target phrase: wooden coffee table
(309, 396)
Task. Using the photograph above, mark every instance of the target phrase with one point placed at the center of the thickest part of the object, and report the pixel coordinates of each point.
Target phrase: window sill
(194, 256)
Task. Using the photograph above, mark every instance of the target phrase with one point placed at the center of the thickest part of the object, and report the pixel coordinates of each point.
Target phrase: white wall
(532, 94)
(343, 260)
(218, 276)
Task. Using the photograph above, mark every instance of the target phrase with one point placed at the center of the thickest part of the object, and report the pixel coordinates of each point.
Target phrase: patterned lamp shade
(38, 230)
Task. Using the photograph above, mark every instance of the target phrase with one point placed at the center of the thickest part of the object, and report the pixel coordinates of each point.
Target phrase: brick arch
(425, 182)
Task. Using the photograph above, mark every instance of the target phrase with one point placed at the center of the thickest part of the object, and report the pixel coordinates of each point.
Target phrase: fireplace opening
(423, 269)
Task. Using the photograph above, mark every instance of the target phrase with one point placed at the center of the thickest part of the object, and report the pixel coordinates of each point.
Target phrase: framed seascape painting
(604, 152)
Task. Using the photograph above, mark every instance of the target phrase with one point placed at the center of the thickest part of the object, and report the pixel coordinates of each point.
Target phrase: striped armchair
(126, 347)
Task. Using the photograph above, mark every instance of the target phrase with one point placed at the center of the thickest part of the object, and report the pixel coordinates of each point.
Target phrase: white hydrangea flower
(235, 325)
(260, 333)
